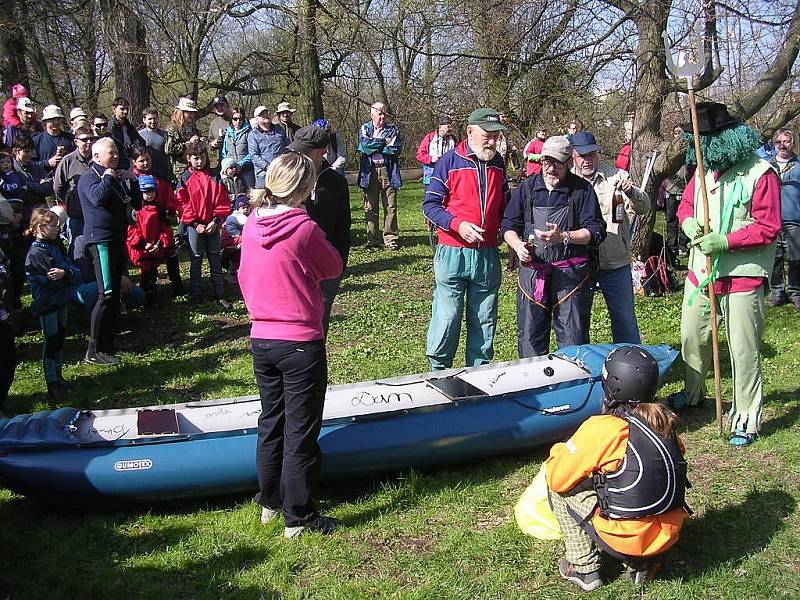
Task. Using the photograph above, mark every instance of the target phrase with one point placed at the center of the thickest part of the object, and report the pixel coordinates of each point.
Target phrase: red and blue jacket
(465, 188)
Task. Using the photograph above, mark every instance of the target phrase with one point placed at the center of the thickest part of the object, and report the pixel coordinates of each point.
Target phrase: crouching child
(149, 239)
(618, 484)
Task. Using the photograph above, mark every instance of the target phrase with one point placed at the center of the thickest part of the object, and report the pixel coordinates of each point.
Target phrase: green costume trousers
(743, 313)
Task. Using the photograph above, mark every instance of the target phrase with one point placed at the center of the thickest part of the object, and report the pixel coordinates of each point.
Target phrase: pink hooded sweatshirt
(284, 257)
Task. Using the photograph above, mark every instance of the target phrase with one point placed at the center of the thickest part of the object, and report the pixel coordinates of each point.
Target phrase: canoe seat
(158, 421)
(456, 388)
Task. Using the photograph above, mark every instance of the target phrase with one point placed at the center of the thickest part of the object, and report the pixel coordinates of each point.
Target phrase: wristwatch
(567, 238)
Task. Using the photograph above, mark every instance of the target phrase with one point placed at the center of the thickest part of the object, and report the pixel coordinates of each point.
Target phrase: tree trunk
(13, 67)
(311, 106)
(125, 41)
(650, 93)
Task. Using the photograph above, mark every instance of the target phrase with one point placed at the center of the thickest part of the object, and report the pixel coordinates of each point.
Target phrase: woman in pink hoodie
(284, 257)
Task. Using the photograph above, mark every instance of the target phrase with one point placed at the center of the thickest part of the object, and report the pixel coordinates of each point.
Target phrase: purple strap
(544, 270)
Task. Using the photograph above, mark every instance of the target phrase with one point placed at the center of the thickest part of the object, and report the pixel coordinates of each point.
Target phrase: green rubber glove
(534, 157)
(692, 228)
(713, 243)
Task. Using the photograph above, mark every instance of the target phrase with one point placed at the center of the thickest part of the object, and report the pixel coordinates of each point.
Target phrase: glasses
(98, 125)
(85, 140)
(236, 118)
(552, 164)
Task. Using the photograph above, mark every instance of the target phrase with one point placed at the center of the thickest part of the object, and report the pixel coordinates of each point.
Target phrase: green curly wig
(725, 148)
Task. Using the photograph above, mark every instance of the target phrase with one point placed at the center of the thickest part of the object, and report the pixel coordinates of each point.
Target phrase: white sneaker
(269, 514)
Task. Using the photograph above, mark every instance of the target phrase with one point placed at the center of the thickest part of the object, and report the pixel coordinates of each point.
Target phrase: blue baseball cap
(147, 183)
(321, 123)
(583, 143)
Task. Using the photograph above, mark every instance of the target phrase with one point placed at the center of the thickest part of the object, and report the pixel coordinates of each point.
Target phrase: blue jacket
(790, 191)
(47, 144)
(106, 205)
(263, 147)
(388, 144)
(235, 145)
(49, 294)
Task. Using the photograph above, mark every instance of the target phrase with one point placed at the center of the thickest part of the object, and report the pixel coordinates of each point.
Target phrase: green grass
(447, 533)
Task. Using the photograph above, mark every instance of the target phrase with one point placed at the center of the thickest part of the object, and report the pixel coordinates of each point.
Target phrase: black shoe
(67, 386)
(100, 358)
(224, 303)
(55, 393)
(641, 574)
(588, 582)
(178, 289)
(320, 523)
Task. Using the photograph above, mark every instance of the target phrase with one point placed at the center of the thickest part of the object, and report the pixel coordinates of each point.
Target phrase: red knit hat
(19, 91)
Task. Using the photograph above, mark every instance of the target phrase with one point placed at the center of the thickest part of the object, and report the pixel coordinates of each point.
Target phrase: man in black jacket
(329, 205)
(123, 131)
(108, 200)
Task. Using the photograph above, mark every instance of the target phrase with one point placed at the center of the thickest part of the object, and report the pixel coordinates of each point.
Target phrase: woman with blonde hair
(284, 257)
(182, 130)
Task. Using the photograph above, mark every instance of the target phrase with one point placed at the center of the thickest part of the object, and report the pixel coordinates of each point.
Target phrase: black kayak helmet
(630, 376)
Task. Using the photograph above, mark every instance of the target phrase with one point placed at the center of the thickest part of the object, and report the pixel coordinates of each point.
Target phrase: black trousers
(108, 259)
(291, 379)
(568, 309)
(676, 239)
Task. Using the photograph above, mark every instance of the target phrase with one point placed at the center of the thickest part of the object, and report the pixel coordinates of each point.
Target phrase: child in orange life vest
(618, 483)
(150, 238)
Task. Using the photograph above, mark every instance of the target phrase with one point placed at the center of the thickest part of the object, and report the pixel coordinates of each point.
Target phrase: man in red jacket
(465, 201)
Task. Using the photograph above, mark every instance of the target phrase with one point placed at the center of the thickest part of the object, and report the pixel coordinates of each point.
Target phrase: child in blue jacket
(51, 276)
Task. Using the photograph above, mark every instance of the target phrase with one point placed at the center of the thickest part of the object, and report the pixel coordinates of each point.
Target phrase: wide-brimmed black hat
(711, 118)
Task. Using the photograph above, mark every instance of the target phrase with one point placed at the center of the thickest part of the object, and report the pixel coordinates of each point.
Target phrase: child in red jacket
(141, 164)
(204, 204)
(150, 238)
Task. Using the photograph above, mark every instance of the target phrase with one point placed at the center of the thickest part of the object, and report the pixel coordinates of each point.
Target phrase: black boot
(55, 393)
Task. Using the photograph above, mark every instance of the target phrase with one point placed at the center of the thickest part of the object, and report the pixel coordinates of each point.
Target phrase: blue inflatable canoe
(207, 448)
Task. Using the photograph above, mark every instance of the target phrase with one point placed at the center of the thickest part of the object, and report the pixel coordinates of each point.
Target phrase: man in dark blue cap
(614, 273)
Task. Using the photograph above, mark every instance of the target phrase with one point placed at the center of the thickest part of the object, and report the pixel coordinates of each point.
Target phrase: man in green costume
(744, 209)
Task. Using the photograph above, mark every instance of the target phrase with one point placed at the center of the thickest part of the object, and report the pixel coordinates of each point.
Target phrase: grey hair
(101, 144)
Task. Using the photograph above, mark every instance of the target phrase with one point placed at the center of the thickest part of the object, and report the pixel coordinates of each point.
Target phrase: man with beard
(28, 125)
(554, 225)
(465, 201)
(617, 197)
(744, 195)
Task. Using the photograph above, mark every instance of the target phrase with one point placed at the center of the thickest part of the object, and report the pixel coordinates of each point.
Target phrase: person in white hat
(77, 116)
(123, 132)
(284, 115)
(181, 130)
(264, 142)
(53, 143)
(28, 124)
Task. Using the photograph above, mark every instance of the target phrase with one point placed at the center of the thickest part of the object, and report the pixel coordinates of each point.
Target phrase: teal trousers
(471, 275)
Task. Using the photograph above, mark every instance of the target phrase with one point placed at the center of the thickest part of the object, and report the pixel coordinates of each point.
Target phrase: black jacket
(117, 129)
(329, 207)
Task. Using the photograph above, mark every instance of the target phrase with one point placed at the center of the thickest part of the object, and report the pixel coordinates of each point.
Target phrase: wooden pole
(712, 297)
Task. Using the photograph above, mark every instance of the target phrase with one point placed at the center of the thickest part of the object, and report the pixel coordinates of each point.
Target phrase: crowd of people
(276, 202)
